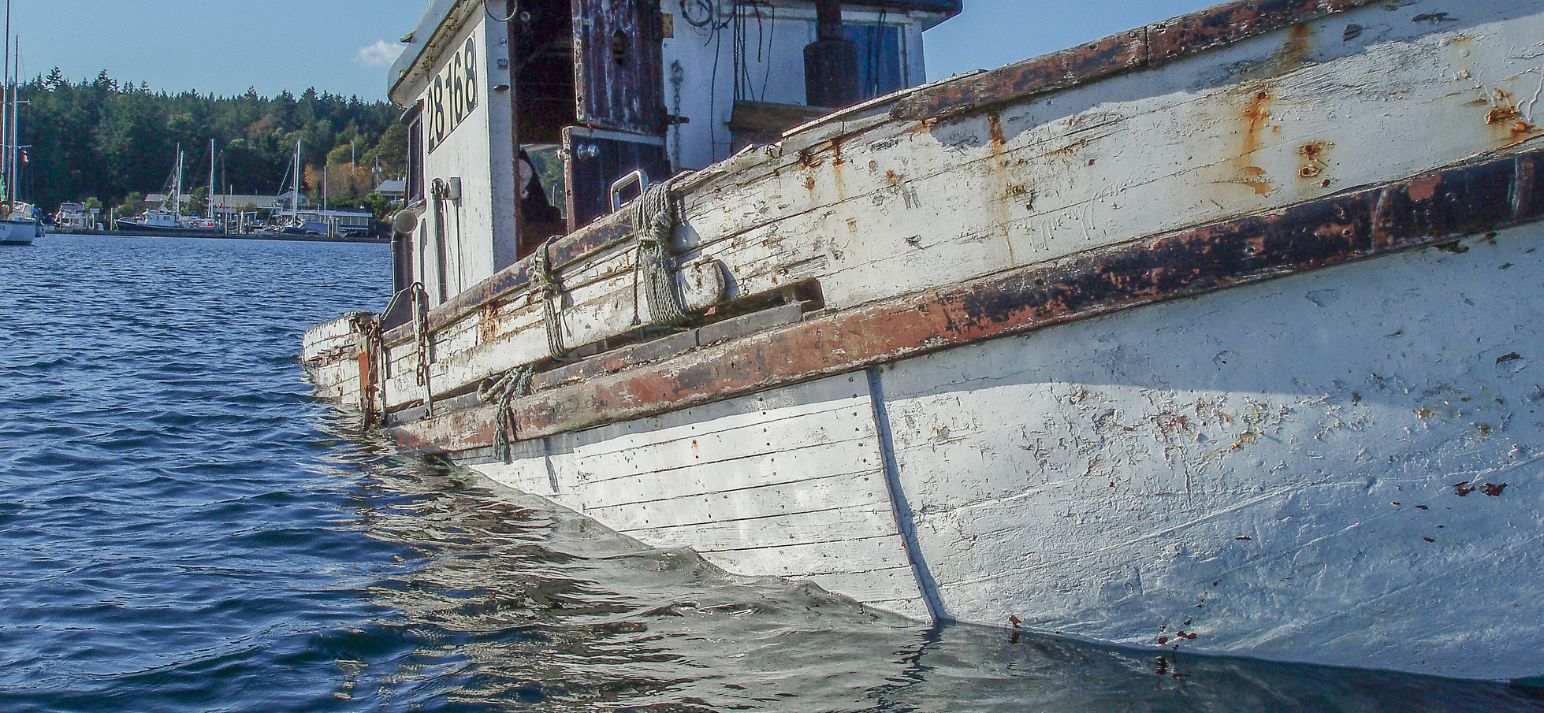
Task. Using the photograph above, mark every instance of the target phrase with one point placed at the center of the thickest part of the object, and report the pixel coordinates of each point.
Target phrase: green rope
(546, 280)
(504, 388)
(654, 221)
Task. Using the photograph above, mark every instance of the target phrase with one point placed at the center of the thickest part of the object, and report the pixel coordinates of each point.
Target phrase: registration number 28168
(453, 94)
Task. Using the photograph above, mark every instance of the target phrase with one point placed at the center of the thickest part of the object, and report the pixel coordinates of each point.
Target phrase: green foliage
(198, 201)
(108, 140)
(132, 205)
(380, 206)
(92, 203)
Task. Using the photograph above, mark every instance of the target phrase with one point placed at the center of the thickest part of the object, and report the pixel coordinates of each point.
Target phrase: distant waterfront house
(285, 200)
(393, 188)
(226, 204)
(336, 222)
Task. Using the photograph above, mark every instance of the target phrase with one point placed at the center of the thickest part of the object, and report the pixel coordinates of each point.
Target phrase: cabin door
(594, 159)
(618, 55)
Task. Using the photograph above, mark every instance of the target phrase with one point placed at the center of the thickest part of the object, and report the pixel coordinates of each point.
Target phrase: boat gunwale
(1187, 35)
(1433, 208)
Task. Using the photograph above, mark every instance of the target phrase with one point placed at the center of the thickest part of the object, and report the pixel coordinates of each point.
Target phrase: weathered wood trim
(598, 236)
(1430, 209)
(1148, 46)
(1141, 48)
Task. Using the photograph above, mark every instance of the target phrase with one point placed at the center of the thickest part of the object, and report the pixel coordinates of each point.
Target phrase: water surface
(183, 528)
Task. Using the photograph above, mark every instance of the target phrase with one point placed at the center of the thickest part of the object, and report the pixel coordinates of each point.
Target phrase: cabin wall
(774, 70)
(479, 228)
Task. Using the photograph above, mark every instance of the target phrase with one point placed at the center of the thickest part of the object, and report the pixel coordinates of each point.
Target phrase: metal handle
(638, 176)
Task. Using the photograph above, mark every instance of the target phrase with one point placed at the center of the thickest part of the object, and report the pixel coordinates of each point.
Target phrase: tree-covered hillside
(112, 140)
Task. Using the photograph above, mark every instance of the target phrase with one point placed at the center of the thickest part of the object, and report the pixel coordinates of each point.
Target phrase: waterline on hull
(1272, 473)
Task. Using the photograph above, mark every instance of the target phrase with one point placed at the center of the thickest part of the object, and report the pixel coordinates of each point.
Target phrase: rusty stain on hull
(1256, 116)
(1314, 155)
(1422, 211)
(488, 324)
(1506, 120)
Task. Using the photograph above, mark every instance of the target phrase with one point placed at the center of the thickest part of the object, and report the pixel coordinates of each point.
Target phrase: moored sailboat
(19, 223)
(166, 219)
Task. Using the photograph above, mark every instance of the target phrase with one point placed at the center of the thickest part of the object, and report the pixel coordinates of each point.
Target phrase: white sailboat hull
(18, 232)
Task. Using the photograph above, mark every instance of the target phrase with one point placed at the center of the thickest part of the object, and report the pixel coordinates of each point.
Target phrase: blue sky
(343, 46)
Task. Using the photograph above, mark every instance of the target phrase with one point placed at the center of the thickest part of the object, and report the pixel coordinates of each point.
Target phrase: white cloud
(380, 54)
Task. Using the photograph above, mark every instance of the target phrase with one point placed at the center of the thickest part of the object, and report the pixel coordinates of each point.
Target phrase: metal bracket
(638, 177)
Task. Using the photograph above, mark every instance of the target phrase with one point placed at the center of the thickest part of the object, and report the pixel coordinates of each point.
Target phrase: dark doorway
(544, 103)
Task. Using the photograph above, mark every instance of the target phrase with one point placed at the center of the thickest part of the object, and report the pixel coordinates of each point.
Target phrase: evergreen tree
(113, 140)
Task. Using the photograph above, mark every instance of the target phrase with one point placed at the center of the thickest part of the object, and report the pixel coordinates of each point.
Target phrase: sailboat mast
(16, 121)
(295, 203)
(177, 183)
(5, 108)
(209, 204)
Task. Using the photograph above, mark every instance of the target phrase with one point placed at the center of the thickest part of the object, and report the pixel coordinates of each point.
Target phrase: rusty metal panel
(1433, 209)
(617, 64)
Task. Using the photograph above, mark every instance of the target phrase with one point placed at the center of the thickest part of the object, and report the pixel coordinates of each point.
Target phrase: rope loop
(546, 280)
(654, 218)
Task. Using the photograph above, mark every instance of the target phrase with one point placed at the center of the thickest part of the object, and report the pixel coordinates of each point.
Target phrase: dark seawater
(183, 528)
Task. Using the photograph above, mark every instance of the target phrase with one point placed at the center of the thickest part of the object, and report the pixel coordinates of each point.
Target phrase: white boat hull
(18, 232)
(1275, 470)
(1077, 359)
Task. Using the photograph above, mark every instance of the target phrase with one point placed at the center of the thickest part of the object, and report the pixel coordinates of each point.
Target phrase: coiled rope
(551, 291)
(504, 389)
(654, 221)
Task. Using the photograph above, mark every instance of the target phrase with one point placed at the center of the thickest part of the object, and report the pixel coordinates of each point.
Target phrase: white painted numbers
(452, 97)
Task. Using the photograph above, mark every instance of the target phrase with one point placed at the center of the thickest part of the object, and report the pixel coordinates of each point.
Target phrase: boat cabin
(523, 114)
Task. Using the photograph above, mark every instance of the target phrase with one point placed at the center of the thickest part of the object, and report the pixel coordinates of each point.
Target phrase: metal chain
(373, 352)
(421, 339)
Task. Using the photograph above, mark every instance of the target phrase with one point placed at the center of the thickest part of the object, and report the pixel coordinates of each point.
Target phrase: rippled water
(183, 528)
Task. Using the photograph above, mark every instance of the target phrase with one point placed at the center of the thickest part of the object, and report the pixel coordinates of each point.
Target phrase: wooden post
(831, 61)
(828, 19)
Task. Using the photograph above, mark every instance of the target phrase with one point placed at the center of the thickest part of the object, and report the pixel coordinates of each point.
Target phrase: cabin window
(413, 119)
(880, 71)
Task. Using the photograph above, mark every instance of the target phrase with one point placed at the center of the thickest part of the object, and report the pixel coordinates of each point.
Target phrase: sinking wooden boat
(1215, 335)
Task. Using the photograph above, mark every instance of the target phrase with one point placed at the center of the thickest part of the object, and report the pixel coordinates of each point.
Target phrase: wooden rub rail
(1140, 48)
(1430, 209)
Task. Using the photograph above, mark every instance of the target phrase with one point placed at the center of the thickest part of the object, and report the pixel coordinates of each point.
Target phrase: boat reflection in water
(514, 602)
